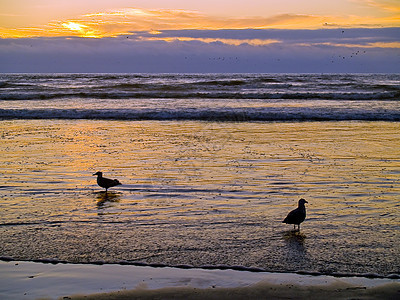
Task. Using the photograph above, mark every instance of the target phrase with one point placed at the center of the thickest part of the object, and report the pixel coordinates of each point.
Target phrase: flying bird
(297, 215)
(105, 182)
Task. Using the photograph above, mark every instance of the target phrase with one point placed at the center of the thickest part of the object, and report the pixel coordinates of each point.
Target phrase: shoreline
(33, 280)
(203, 267)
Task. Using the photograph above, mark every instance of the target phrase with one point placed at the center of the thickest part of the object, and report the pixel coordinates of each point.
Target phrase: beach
(210, 165)
(203, 194)
(29, 280)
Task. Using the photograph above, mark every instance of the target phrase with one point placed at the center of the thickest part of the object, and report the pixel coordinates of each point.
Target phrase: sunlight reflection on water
(203, 193)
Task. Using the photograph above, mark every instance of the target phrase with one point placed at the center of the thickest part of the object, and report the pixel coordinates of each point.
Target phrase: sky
(264, 36)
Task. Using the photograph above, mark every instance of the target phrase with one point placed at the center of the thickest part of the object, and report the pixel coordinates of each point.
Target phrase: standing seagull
(105, 182)
(297, 215)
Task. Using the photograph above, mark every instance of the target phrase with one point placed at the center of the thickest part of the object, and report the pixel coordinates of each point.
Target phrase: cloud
(225, 50)
(123, 21)
(81, 29)
(385, 5)
(361, 37)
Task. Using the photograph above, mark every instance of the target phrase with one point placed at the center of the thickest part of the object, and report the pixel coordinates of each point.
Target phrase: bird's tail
(117, 182)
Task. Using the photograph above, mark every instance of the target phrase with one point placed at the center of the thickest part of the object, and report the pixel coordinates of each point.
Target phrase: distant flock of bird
(295, 217)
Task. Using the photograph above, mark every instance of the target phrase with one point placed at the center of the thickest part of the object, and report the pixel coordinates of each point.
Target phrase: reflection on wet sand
(296, 250)
(294, 238)
(203, 193)
(104, 197)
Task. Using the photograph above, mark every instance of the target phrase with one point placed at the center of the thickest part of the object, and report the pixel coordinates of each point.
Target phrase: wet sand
(30, 280)
(203, 193)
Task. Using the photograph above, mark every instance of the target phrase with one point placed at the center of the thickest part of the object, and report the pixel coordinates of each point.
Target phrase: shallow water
(203, 193)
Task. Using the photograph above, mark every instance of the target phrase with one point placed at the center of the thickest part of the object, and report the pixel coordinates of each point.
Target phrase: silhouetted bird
(297, 215)
(105, 182)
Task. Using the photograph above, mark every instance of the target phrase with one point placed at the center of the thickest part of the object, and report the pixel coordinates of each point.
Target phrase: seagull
(106, 182)
(297, 215)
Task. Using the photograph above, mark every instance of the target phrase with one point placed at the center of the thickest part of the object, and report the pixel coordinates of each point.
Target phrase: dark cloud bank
(325, 50)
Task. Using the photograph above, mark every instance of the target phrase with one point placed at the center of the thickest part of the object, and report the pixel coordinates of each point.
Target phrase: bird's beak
(94, 174)
(305, 201)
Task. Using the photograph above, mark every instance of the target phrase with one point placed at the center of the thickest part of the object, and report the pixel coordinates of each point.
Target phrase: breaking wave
(222, 115)
(216, 97)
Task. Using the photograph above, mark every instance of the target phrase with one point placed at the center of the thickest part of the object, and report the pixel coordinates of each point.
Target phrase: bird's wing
(291, 215)
(108, 181)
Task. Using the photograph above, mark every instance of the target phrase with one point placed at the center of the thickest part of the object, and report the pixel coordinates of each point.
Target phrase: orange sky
(95, 19)
(189, 36)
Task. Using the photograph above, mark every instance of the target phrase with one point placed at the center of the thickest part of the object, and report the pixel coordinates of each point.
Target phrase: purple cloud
(323, 50)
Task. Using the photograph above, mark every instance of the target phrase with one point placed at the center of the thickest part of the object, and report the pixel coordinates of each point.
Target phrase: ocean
(210, 165)
(212, 97)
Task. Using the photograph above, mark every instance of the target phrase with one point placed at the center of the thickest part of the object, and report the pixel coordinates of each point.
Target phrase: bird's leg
(294, 226)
